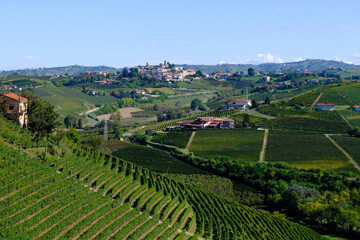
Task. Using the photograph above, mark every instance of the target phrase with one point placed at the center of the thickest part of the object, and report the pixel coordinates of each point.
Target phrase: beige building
(15, 108)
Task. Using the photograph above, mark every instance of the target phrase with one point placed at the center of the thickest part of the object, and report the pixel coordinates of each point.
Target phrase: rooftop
(16, 97)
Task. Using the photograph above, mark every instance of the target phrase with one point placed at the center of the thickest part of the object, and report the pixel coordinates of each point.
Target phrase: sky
(127, 33)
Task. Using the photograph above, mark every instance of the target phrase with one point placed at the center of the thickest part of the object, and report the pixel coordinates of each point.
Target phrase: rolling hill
(74, 192)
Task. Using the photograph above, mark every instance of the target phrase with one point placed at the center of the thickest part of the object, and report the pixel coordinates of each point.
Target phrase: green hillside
(74, 192)
(309, 64)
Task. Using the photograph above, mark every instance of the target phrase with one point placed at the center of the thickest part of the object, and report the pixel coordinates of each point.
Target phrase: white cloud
(299, 59)
(357, 55)
(337, 59)
(268, 58)
(348, 62)
(29, 57)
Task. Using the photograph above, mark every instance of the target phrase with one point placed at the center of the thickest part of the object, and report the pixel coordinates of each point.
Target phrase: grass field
(235, 143)
(155, 160)
(69, 100)
(174, 138)
(350, 144)
(305, 150)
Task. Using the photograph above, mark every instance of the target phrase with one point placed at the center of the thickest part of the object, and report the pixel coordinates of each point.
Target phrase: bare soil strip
(316, 100)
(263, 150)
(187, 149)
(342, 150)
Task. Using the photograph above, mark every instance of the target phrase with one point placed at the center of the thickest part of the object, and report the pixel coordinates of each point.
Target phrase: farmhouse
(208, 122)
(242, 104)
(265, 78)
(325, 107)
(15, 108)
(357, 108)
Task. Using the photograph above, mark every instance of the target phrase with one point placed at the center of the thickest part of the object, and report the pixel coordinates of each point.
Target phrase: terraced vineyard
(86, 194)
(113, 145)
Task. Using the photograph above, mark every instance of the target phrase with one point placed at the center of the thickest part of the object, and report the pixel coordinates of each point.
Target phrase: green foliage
(251, 72)
(108, 108)
(126, 102)
(42, 118)
(195, 104)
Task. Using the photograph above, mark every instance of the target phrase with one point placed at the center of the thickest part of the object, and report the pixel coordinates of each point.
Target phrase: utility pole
(106, 137)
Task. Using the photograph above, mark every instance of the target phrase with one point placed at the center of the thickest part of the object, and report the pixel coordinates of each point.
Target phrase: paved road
(94, 122)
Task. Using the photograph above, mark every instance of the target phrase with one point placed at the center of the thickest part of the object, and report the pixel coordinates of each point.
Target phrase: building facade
(325, 107)
(15, 108)
(208, 122)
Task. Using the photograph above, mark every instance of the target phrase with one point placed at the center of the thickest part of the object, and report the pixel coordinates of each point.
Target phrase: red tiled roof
(357, 106)
(16, 97)
(325, 104)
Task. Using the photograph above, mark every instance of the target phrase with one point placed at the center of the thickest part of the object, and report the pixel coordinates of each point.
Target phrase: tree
(70, 121)
(251, 72)
(115, 124)
(253, 104)
(42, 118)
(267, 100)
(95, 141)
(195, 104)
(126, 102)
(198, 73)
(80, 123)
(203, 107)
(246, 120)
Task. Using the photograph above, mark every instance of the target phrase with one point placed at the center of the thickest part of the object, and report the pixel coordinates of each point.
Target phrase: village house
(208, 122)
(15, 108)
(242, 104)
(265, 78)
(357, 108)
(325, 107)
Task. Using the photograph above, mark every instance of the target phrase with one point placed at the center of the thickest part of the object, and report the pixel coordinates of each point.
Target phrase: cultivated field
(155, 160)
(350, 144)
(305, 150)
(238, 144)
(174, 138)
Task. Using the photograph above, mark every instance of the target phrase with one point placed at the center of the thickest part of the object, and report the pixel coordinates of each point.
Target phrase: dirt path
(343, 151)
(263, 150)
(316, 100)
(187, 149)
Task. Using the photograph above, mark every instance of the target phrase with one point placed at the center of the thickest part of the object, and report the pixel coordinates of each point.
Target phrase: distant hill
(74, 69)
(309, 65)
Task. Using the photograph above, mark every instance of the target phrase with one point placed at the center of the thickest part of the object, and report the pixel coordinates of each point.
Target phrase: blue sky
(127, 33)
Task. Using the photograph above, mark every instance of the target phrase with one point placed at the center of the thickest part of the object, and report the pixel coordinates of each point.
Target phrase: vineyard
(238, 144)
(113, 145)
(315, 151)
(85, 194)
(305, 124)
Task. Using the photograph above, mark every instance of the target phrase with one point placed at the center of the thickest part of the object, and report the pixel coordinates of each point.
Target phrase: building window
(11, 107)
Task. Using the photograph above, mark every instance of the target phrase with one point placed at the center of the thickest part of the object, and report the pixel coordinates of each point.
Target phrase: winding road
(94, 122)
